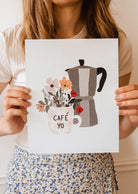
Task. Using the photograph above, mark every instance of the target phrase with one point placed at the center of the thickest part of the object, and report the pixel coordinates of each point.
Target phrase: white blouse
(12, 66)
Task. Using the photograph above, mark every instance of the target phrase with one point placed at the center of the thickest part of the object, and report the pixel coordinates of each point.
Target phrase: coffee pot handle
(103, 78)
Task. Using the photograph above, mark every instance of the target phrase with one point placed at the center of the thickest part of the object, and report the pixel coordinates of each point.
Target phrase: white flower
(52, 85)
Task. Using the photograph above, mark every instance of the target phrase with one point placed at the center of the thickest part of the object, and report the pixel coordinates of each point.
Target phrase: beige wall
(126, 14)
(10, 14)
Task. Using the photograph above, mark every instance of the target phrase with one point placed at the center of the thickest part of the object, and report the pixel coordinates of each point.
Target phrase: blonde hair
(39, 21)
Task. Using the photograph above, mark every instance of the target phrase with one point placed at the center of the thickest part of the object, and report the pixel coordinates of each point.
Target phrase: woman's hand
(15, 105)
(127, 100)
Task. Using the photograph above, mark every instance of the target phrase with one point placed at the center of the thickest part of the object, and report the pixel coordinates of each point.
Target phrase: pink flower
(41, 107)
(56, 100)
(52, 85)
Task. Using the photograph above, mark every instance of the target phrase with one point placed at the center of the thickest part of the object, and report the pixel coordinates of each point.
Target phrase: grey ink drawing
(84, 82)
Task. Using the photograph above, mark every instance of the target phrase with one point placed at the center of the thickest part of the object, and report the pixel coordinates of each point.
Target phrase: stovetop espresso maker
(84, 82)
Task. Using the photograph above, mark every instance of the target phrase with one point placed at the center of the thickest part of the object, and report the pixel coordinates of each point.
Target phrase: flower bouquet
(59, 94)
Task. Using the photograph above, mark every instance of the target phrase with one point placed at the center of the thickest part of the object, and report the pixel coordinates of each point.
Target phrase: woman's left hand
(127, 100)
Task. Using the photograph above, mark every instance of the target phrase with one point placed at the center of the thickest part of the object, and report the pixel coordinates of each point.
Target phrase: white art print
(73, 108)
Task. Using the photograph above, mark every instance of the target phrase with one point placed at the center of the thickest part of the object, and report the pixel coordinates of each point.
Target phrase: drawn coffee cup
(61, 119)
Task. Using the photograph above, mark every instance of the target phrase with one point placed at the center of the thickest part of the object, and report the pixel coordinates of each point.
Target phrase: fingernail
(28, 103)
(118, 97)
(120, 112)
(28, 96)
(117, 91)
(119, 103)
(27, 90)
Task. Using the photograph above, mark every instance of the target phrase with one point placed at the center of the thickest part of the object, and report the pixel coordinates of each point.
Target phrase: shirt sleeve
(5, 72)
(125, 55)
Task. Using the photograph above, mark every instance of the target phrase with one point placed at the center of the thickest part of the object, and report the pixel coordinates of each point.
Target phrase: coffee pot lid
(81, 61)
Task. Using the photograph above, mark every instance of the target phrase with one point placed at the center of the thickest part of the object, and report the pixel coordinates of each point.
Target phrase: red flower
(79, 109)
(73, 93)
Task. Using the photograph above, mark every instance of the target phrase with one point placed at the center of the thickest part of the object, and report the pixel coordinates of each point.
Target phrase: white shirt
(12, 66)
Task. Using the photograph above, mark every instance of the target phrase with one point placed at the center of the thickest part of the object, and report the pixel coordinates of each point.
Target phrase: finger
(128, 112)
(129, 107)
(16, 112)
(23, 108)
(126, 89)
(10, 102)
(14, 93)
(128, 95)
(22, 88)
(128, 103)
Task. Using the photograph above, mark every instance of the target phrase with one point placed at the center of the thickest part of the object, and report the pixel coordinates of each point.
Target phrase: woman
(60, 173)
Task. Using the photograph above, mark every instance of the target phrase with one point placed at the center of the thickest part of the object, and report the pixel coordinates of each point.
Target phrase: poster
(73, 108)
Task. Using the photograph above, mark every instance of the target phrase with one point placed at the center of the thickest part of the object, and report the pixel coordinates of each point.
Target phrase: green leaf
(59, 105)
(46, 101)
(51, 94)
(78, 100)
(47, 108)
(50, 104)
(41, 102)
(60, 90)
(74, 106)
(57, 93)
(72, 100)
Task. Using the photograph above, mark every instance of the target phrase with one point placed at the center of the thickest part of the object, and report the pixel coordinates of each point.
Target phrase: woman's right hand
(15, 105)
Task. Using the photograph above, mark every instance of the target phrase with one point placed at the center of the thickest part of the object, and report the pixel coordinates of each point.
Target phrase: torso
(17, 66)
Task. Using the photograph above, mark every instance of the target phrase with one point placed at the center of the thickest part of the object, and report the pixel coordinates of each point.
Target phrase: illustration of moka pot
(84, 82)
